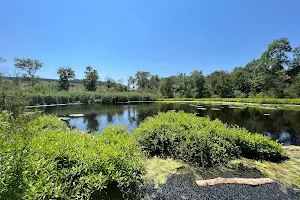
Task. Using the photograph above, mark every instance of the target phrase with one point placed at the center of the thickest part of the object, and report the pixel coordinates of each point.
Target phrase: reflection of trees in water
(92, 123)
(253, 119)
(281, 124)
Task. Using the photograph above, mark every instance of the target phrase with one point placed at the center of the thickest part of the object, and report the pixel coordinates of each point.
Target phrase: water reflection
(280, 124)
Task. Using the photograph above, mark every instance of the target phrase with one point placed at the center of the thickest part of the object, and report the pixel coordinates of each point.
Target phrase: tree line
(275, 74)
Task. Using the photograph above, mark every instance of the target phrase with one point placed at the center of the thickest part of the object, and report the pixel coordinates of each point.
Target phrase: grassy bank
(40, 158)
(87, 97)
(240, 100)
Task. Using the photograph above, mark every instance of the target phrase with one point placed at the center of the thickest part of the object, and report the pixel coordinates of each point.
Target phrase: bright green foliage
(91, 78)
(42, 159)
(30, 67)
(219, 84)
(65, 74)
(12, 98)
(202, 141)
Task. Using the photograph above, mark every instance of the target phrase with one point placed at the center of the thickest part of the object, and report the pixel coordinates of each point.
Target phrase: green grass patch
(202, 141)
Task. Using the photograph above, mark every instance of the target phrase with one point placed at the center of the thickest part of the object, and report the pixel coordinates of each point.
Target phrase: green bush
(200, 140)
(12, 98)
(42, 159)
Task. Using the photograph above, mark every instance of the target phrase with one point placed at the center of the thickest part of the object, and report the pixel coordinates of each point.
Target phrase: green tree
(197, 84)
(154, 83)
(131, 83)
(294, 68)
(142, 80)
(219, 84)
(166, 87)
(65, 74)
(276, 60)
(91, 78)
(30, 67)
(240, 82)
(12, 97)
(293, 90)
(1, 70)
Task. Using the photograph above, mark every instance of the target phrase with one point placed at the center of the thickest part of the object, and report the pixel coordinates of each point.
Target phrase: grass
(87, 97)
(240, 100)
(286, 173)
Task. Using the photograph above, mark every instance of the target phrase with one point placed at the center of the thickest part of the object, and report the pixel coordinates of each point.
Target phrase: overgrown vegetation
(202, 141)
(241, 100)
(286, 173)
(41, 159)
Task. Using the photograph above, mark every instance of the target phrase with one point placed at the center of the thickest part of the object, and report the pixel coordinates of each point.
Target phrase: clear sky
(164, 37)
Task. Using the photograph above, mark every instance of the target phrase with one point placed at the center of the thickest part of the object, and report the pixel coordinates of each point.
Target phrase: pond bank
(174, 179)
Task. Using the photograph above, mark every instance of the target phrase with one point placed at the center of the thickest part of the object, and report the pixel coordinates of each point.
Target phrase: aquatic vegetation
(202, 141)
(295, 101)
(41, 159)
(286, 172)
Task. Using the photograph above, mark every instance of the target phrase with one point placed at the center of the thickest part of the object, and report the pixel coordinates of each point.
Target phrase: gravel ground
(183, 187)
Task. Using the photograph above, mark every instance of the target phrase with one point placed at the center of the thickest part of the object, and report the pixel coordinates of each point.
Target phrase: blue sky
(164, 37)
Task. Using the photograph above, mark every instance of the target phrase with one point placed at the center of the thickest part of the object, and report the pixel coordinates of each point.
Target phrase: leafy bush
(42, 159)
(200, 140)
(12, 98)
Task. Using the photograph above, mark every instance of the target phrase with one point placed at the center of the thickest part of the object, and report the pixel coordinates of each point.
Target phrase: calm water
(280, 124)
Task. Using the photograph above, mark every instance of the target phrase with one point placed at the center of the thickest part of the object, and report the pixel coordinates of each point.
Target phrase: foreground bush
(87, 97)
(41, 159)
(202, 141)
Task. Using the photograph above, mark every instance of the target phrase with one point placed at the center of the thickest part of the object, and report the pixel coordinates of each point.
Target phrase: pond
(283, 125)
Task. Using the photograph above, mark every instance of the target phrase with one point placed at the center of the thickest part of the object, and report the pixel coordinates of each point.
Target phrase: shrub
(200, 140)
(12, 98)
(42, 159)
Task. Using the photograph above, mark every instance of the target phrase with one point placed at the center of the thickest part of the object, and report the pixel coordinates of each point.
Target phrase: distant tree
(219, 84)
(154, 82)
(131, 83)
(1, 70)
(110, 83)
(240, 81)
(276, 60)
(294, 68)
(197, 84)
(181, 86)
(30, 67)
(166, 86)
(142, 80)
(65, 74)
(91, 78)
(293, 90)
